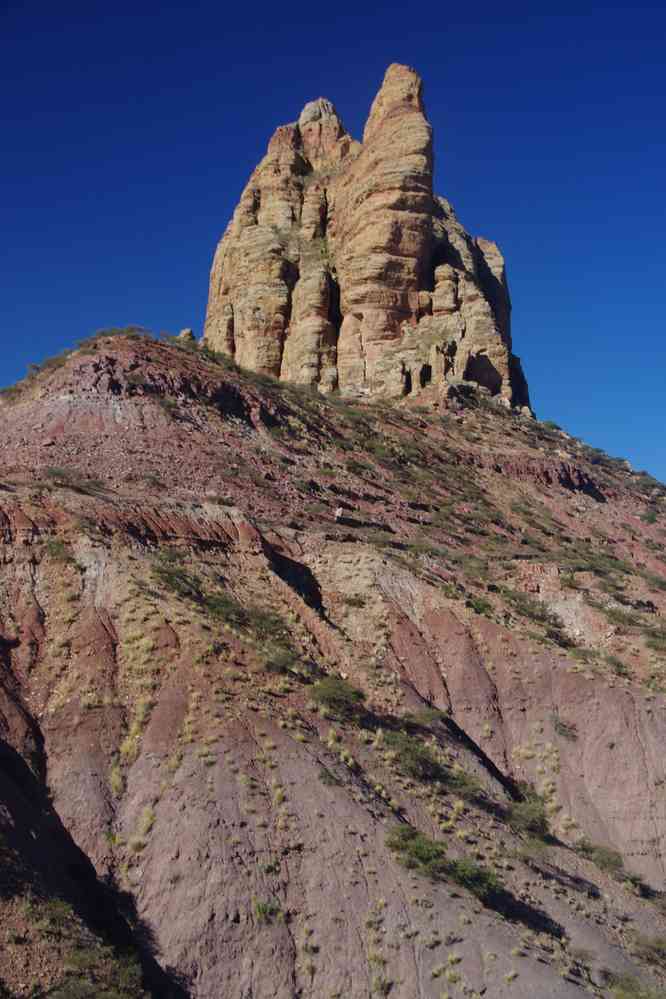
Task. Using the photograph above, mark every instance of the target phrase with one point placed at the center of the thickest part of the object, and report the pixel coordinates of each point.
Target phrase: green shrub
(625, 619)
(328, 778)
(176, 579)
(69, 478)
(266, 624)
(222, 606)
(531, 608)
(529, 816)
(628, 987)
(603, 856)
(533, 850)
(267, 911)
(425, 717)
(417, 852)
(54, 915)
(656, 641)
(450, 591)
(617, 665)
(654, 582)
(380, 450)
(584, 655)
(354, 601)
(13, 392)
(583, 558)
(280, 659)
(10, 393)
(49, 363)
(566, 729)
(338, 696)
(651, 949)
(356, 468)
(75, 988)
(56, 473)
(478, 880)
(226, 608)
(423, 855)
(479, 605)
(465, 785)
(414, 757)
(170, 406)
(58, 550)
(132, 332)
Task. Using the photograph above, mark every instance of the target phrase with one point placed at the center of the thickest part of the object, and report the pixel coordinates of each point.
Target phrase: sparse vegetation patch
(339, 697)
(425, 856)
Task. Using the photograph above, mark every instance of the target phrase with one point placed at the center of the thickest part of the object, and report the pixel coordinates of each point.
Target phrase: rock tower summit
(340, 268)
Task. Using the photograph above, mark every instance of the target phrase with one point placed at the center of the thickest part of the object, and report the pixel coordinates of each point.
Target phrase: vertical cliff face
(342, 270)
(384, 236)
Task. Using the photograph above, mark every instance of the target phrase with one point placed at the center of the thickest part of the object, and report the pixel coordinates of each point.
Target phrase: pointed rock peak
(317, 111)
(321, 133)
(401, 91)
(398, 74)
(285, 140)
(341, 270)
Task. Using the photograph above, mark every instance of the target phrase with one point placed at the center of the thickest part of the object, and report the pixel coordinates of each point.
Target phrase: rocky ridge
(341, 270)
(303, 698)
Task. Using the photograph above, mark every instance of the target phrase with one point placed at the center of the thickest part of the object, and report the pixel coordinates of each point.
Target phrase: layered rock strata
(177, 584)
(341, 270)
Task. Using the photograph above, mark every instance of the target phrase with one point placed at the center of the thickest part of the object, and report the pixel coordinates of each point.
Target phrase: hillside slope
(300, 698)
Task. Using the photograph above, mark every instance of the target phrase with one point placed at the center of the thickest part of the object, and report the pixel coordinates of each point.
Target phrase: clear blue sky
(129, 131)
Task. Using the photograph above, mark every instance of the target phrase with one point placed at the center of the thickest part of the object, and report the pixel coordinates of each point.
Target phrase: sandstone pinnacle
(315, 111)
(342, 270)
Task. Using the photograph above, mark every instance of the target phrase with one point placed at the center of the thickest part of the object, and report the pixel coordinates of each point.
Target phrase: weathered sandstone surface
(341, 270)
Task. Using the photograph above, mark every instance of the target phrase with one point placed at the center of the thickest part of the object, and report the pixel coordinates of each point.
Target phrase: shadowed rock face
(341, 270)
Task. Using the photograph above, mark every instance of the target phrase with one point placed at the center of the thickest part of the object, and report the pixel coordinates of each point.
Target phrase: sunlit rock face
(341, 270)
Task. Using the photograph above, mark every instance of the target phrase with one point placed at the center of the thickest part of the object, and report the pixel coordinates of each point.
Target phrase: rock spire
(341, 270)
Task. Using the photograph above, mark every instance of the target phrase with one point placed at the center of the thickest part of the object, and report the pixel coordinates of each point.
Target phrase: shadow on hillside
(299, 577)
(584, 485)
(465, 786)
(572, 882)
(517, 911)
(38, 855)
(370, 525)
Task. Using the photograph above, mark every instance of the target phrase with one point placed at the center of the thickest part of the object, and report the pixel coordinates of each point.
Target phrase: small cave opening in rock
(334, 310)
(256, 204)
(442, 253)
(280, 328)
(292, 276)
(323, 215)
(406, 382)
(425, 375)
(481, 370)
(448, 351)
